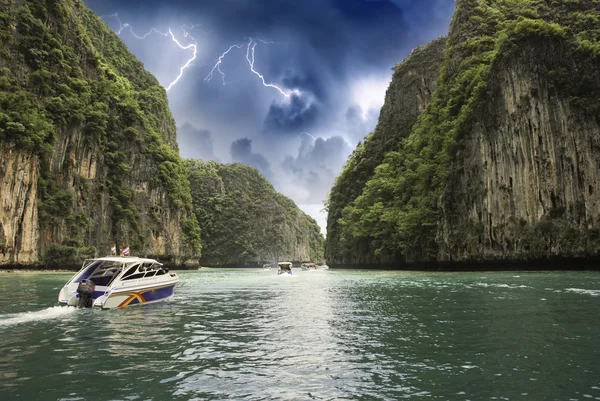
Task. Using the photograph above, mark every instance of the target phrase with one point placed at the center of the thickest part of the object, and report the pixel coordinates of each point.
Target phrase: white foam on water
(594, 293)
(54, 312)
(500, 285)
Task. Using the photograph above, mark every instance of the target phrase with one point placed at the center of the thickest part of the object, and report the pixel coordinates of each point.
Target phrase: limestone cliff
(88, 153)
(525, 183)
(503, 163)
(245, 222)
(408, 94)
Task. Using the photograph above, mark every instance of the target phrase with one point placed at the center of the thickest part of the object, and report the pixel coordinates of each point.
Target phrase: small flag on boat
(125, 251)
(113, 250)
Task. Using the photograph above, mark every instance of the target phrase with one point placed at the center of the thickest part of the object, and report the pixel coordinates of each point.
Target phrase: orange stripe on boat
(132, 296)
(139, 295)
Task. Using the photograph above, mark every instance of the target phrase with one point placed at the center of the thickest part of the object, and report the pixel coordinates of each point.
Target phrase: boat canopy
(104, 270)
(123, 259)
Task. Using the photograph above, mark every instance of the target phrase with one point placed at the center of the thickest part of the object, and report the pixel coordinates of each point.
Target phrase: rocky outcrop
(503, 162)
(88, 153)
(19, 233)
(409, 92)
(245, 222)
(529, 168)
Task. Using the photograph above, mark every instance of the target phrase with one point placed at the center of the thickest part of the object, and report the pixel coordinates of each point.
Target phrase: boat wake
(54, 312)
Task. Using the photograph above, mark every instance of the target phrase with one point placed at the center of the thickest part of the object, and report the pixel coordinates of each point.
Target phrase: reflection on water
(248, 334)
(267, 339)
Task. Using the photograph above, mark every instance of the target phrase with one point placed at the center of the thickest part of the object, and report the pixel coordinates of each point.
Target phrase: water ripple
(328, 335)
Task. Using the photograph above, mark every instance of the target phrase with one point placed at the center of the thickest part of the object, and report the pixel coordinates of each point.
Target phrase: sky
(287, 86)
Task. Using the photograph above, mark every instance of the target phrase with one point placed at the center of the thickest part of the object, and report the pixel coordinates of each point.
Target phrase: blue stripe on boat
(159, 293)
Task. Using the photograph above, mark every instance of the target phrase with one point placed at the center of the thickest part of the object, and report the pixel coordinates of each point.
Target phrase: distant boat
(284, 268)
(308, 266)
(267, 266)
(117, 281)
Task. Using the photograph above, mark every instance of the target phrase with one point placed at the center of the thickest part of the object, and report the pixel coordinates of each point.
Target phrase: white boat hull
(122, 293)
(122, 297)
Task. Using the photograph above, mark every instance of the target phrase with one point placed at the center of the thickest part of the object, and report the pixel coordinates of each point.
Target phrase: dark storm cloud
(195, 143)
(320, 46)
(292, 116)
(241, 151)
(306, 83)
(316, 165)
(337, 30)
(302, 110)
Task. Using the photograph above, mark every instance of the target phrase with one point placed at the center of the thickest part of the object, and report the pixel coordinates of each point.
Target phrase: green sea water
(246, 334)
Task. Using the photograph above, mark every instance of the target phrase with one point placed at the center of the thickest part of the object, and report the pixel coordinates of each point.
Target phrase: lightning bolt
(186, 34)
(123, 26)
(250, 53)
(218, 64)
(186, 65)
(250, 57)
(191, 27)
(251, 63)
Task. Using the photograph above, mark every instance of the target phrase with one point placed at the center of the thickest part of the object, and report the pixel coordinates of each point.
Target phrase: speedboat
(308, 266)
(267, 266)
(284, 268)
(118, 281)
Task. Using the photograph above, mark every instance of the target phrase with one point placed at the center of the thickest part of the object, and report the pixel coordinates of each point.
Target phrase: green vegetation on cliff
(63, 72)
(245, 221)
(409, 92)
(396, 216)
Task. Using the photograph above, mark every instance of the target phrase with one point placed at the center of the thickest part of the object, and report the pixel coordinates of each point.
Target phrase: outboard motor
(85, 289)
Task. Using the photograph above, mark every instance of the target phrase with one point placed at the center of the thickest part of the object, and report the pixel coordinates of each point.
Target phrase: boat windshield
(285, 266)
(143, 270)
(106, 272)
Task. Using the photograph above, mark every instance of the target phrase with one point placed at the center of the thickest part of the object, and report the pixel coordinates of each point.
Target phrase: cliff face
(503, 162)
(18, 194)
(88, 153)
(410, 91)
(245, 222)
(526, 181)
